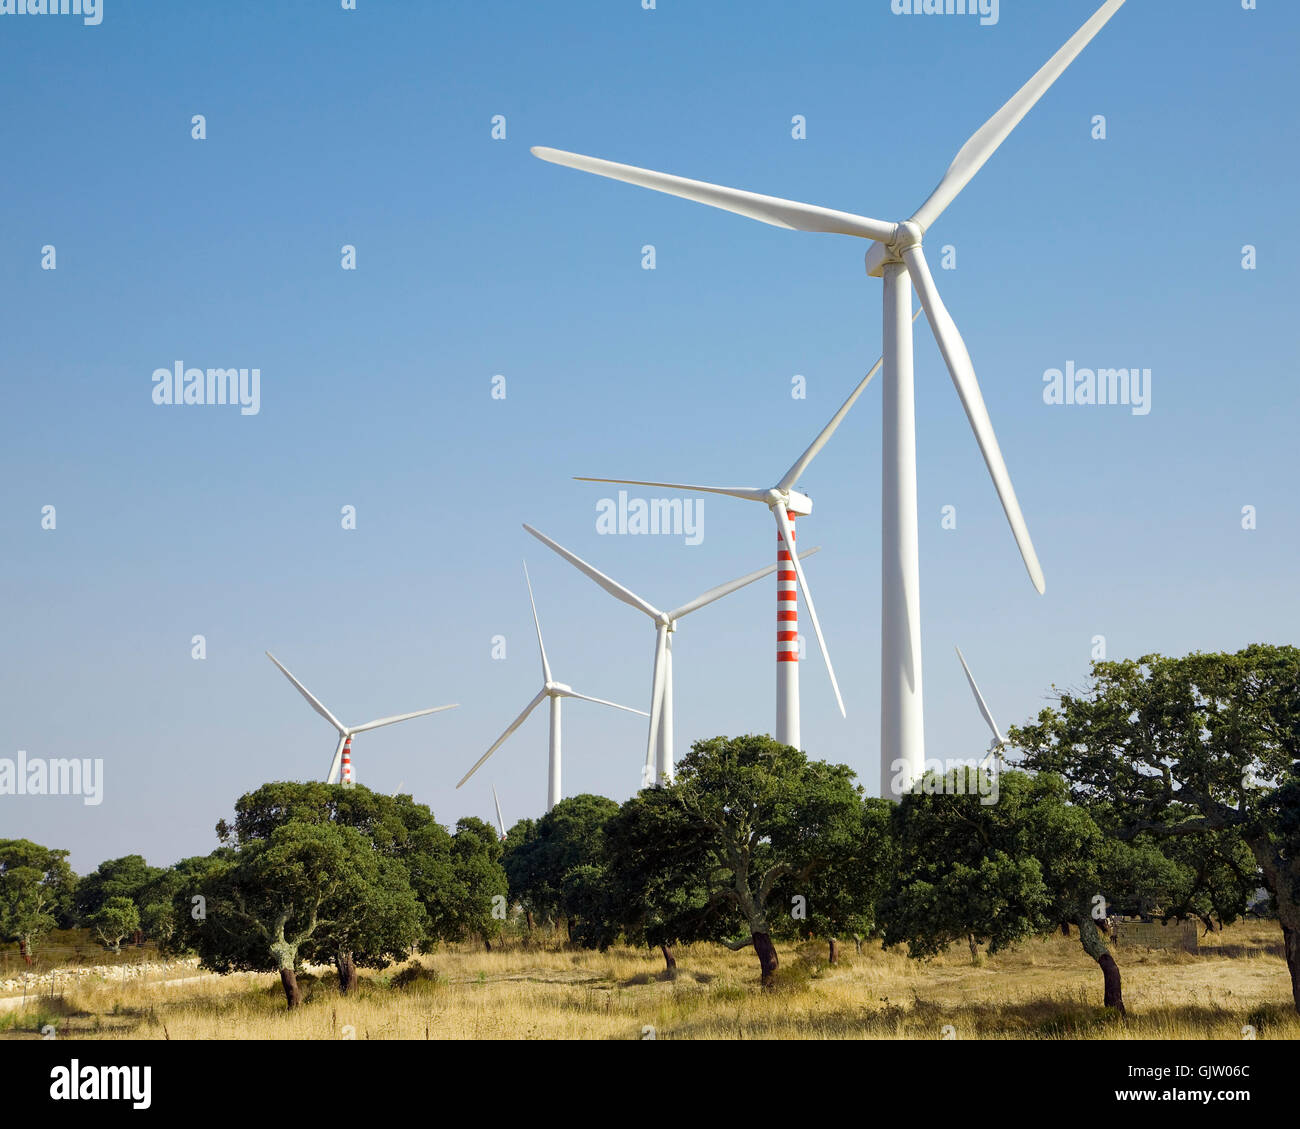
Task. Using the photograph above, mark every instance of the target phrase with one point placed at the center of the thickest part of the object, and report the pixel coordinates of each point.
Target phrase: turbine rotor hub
(880, 255)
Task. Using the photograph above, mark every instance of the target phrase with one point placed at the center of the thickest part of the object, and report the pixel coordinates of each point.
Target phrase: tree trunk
(1096, 948)
(1282, 879)
(670, 961)
(857, 940)
(347, 971)
(1065, 928)
(974, 948)
(1291, 946)
(835, 950)
(487, 942)
(766, 957)
(528, 916)
(23, 950)
(289, 982)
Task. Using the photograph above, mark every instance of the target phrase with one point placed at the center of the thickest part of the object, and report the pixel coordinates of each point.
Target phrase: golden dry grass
(1045, 989)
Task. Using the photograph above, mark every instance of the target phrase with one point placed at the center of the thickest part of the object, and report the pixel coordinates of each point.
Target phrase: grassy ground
(1045, 989)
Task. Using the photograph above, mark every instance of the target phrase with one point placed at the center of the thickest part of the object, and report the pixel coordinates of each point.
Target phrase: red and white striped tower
(787, 642)
(346, 771)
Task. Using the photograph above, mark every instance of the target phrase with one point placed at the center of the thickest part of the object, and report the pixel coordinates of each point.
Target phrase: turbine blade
(766, 209)
(541, 694)
(731, 586)
(396, 718)
(613, 587)
(546, 667)
(997, 129)
(792, 475)
(315, 702)
(501, 823)
(979, 700)
(337, 763)
(602, 702)
(957, 358)
(787, 535)
(749, 493)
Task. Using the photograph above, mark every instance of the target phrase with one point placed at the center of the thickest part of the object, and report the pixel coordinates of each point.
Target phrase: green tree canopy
(538, 856)
(1172, 748)
(35, 882)
(745, 817)
(116, 918)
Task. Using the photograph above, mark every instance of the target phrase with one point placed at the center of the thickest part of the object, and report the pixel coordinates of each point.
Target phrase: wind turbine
(343, 753)
(659, 744)
(999, 742)
(898, 258)
(556, 692)
(786, 504)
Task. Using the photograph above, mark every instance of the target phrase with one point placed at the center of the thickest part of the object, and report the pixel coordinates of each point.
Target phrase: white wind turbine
(556, 692)
(342, 761)
(999, 742)
(897, 256)
(786, 504)
(659, 743)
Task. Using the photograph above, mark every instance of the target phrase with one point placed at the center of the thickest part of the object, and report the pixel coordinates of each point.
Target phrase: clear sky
(373, 128)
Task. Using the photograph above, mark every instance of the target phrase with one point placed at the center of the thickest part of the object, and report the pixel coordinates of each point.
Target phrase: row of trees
(305, 872)
(1168, 783)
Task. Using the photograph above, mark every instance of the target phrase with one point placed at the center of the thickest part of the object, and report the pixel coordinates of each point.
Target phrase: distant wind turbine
(556, 692)
(342, 761)
(659, 744)
(999, 742)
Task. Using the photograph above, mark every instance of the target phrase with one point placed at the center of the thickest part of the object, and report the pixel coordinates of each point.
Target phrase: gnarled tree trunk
(347, 971)
(24, 951)
(670, 961)
(766, 957)
(1097, 948)
(857, 940)
(1291, 946)
(289, 982)
(835, 950)
(1281, 879)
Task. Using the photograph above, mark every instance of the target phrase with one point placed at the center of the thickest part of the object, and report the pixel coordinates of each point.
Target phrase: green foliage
(539, 855)
(116, 918)
(307, 889)
(127, 877)
(747, 823)
(36, 885)
(839, 896)
(1206, 746)
(477, 878)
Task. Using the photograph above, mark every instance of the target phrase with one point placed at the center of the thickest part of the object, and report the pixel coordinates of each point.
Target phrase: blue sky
(373, 127)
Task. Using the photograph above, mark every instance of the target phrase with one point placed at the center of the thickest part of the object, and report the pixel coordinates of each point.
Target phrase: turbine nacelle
(791, 500)
(558, 690)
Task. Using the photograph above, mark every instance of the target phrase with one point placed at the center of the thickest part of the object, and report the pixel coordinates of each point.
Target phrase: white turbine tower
(342, 762)
(556, 692)
(659, 743)
(999, 742)
(898, 258)
(786, 504)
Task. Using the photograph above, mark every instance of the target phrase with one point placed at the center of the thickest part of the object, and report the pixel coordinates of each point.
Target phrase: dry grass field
(1046, 989)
